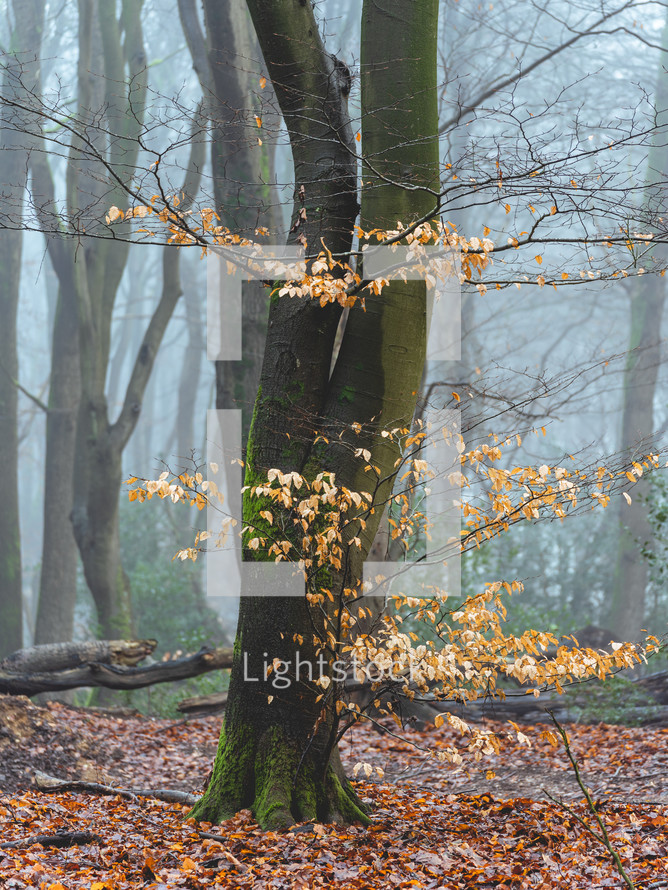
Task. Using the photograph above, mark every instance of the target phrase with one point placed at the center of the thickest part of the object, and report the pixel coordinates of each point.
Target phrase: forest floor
(483, 825)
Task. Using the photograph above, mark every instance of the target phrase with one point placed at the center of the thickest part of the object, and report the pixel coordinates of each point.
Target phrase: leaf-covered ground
(435, 826)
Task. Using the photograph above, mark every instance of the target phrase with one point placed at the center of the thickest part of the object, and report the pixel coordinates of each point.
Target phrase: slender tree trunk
(11, 612)
(58, 581)
(241, 167)
(627, 611)
(98, 273)
(96, 530)
(21, 64)
(96, 509)
(111, 54)
(241, 174)
(635, 533)
(276, 755)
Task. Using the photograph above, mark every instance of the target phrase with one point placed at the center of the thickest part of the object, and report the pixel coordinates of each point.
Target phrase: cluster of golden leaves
(308, 522)
(187, 488)
(184, 227)
(319, 510)
(435, 252)
(331, 280)
(528, 492)
(471, 655)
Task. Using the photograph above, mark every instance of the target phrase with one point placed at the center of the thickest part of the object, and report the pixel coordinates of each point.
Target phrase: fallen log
(61, 840)
(62, 656)
(656, 684)
(417, 710)
(113, 676)
(47, 783)
(203, 704)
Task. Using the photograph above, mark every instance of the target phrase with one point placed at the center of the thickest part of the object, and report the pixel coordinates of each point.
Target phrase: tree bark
(106, 137)
(58, 578)
(635, 532)
(98, 457)
(276, 753)
(184, 423)
(21, 69)
(241, 170)
(59, 656)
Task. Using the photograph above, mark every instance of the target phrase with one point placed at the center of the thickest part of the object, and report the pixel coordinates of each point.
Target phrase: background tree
(647, 298)
(106, 138)
(223, 54)
(20, 71)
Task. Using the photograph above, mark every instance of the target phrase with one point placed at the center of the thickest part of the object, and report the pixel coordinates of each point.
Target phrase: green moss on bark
(278, 782)
(230, 786)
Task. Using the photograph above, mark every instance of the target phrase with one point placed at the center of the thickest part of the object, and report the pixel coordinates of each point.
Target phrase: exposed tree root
(279, 784)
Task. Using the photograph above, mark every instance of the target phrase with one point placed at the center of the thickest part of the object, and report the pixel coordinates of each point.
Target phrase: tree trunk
(106, 137)
(184, 425)
(118, 43)
(58, 581)
(241, 174)
(11, 598)
(635, 533)
(57, 596)
(277, 755)
(96, 530)
(241, 170)
(627, 612)
(97, 276)
(21, 70)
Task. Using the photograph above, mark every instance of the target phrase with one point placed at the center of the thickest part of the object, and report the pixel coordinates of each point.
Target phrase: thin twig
(26, 393)
(603, 837)
(48, 783)
(226, 853)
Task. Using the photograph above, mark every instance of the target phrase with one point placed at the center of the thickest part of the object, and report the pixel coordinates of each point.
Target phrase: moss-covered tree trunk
(276, 753)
